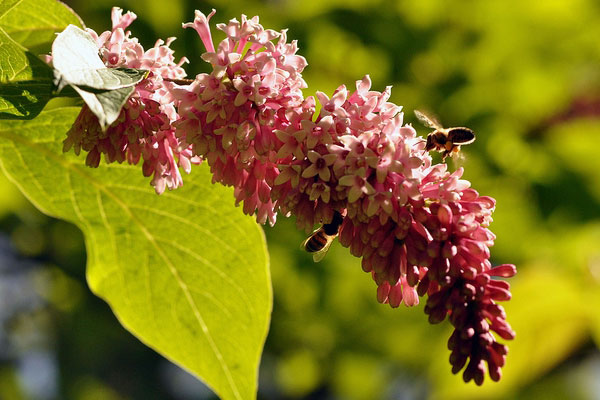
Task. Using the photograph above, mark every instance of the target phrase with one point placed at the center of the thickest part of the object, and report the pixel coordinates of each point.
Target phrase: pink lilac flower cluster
(231, 116)
(418, 228)
(144, 127)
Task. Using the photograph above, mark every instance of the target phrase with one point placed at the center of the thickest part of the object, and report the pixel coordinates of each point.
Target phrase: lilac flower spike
(418, 228)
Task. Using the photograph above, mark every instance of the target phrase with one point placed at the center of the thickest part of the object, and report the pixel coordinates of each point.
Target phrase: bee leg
(445, 154)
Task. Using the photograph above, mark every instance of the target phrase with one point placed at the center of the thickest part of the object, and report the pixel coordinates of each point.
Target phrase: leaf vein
(191, 224)
(214, 300)
(217, 270)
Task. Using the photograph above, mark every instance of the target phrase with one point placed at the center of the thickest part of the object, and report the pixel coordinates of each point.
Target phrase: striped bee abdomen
(316, 241)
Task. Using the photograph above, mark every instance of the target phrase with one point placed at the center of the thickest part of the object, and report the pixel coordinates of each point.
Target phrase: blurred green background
(524, 75)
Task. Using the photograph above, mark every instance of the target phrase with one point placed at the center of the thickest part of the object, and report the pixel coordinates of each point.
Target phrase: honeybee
(320, 240)
(445, 140)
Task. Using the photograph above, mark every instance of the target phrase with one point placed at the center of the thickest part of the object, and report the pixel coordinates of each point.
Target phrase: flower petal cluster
(144, 128)
(231, 116)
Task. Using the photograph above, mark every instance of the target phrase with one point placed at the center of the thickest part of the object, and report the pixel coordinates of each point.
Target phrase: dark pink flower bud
(504, 270)
(395, 295)
(383, 291)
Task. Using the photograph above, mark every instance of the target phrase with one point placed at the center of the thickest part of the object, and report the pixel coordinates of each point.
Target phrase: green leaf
(186, 272)
(108, 78)
(77, 63)
(34, 23)
(6, 6)
(25, 81)
(107, 104)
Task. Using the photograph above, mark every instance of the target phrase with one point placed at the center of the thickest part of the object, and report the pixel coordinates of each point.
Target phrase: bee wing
(427, 120)
(319, 255)
(461, 135)
(303, 244)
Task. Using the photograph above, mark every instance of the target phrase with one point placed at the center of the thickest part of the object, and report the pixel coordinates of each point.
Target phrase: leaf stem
(180, 81)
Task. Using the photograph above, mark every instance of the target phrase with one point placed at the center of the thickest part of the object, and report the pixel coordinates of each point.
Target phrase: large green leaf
(34, 23)
(25, 81)
(186, 272)
(27, 28)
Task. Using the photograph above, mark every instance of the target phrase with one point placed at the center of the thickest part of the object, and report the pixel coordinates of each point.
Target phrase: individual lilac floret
(143, 130)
